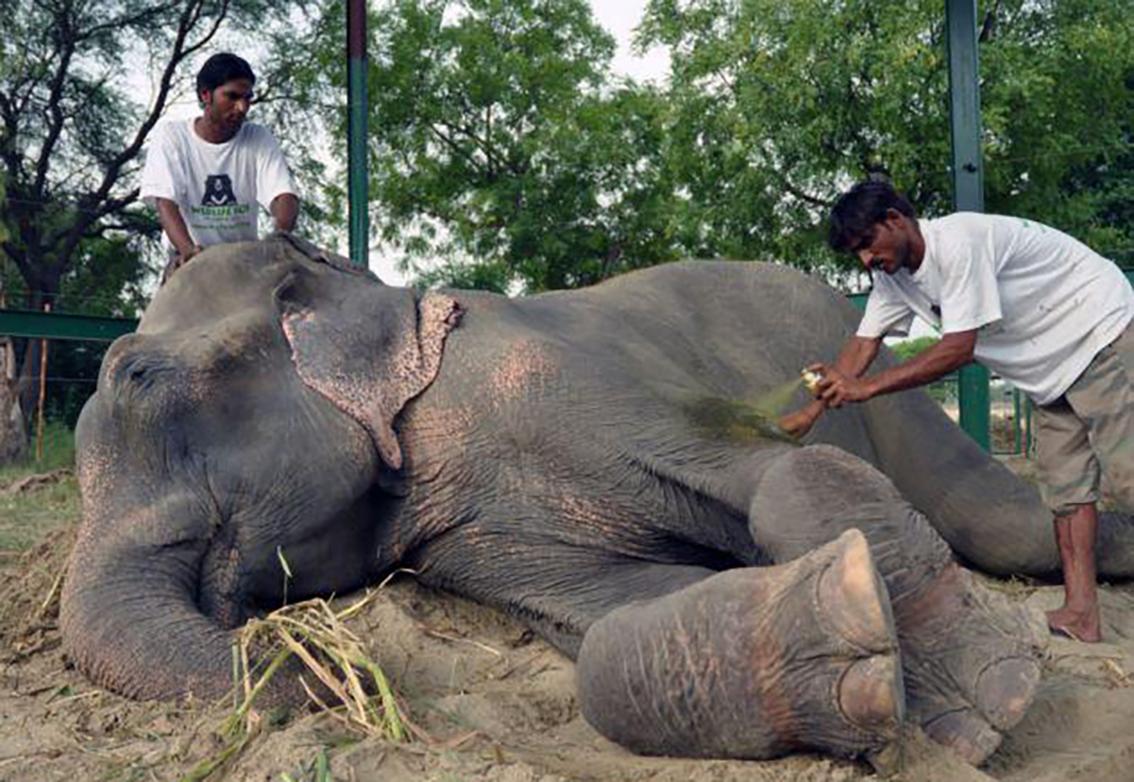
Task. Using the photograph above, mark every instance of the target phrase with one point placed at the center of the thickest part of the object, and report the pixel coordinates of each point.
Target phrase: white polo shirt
(216, 186)
(1042, 302)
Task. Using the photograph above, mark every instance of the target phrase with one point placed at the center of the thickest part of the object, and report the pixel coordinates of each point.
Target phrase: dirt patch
(32, 482)
(496, 703)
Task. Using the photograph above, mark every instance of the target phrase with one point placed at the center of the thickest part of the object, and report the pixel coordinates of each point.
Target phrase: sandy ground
(496, 703)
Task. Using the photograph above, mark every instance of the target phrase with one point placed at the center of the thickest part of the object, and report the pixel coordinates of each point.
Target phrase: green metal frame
(357, 178)
(968, 183)
(59, 325)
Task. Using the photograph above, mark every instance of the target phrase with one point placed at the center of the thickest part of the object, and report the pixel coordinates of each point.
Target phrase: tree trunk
(45, 290)
(13, 435)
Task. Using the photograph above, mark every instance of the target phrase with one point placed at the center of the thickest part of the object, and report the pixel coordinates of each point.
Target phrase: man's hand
(835, 388)
(285, 210)
(799, 423)
(179, 260)
(184, 254)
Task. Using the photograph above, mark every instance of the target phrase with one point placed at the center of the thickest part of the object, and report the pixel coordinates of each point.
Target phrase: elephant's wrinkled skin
(561, 457)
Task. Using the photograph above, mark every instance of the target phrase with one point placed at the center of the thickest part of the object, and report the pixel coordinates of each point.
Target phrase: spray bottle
(811, 380)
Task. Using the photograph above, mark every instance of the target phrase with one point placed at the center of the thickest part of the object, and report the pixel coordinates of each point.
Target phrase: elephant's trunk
(129, 617)
(1115, 546)
(989, 517)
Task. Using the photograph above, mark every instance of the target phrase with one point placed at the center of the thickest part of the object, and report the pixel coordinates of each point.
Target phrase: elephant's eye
(142, 371)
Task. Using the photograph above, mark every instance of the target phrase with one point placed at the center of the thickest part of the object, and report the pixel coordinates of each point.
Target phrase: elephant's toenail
(871, 694)
(966, 734)
(853, 597)
(1005, 690)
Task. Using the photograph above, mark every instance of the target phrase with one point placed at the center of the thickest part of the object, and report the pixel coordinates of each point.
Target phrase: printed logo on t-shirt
(218, 191)
(219, 209)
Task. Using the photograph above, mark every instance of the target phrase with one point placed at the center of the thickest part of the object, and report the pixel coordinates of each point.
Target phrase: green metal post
(1017, 426)
(968, 181)
(357, 179)
(1028, 428)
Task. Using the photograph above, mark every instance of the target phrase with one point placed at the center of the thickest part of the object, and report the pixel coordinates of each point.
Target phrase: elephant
(587, 461)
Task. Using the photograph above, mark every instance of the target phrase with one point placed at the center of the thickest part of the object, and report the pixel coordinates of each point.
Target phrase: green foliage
(783, 104)
(58, 453)
(25, 516)
(499, 141)
(908, 348)
(942, 391)
(504, 151)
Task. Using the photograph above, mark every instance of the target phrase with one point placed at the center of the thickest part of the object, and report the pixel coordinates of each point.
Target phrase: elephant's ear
(367, 347)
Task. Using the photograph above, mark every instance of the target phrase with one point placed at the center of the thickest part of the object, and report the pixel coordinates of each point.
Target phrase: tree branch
(127, 21)
(16, 258)
(55, 96)
(99, 201)
(457, 148)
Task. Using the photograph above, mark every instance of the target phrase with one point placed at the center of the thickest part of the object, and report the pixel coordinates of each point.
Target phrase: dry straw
(317, 636)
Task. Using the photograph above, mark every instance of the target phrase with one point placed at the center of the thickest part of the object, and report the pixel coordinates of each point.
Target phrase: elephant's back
(732, 328)
(686, 348)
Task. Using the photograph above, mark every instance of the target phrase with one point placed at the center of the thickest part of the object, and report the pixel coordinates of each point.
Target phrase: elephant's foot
(752, 663)
(971, 661)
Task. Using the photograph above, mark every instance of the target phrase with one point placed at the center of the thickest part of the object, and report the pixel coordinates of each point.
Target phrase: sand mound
(497, 704)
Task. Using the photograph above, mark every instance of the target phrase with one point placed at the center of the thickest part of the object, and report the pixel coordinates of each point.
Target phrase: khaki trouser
(1089, 431)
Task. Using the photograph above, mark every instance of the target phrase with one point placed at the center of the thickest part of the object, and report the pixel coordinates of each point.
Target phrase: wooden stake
(42, 392)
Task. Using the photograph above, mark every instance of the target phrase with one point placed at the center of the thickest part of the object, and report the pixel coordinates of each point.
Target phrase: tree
(501, 150)
(72, 135)
(12, 436)
(784, 104)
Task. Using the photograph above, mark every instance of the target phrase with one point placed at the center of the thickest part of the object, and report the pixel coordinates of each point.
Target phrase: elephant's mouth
(336, 554)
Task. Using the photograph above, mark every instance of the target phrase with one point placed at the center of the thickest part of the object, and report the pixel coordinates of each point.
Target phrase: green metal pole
(357, 179)
(1017, 425)
(968, 180)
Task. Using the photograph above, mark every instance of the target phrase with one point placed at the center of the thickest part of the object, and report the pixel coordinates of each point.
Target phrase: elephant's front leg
(970, 656)
(752, 662)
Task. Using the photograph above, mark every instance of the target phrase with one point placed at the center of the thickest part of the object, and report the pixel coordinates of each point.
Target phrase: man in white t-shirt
(205, 176)
(1036, 307)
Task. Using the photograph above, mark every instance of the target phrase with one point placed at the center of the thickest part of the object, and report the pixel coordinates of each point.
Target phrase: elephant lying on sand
(577, 459)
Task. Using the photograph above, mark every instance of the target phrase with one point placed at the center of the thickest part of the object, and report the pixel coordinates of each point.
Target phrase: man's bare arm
(950, 353)
(855, 357)
(174, 226)
(285, 211)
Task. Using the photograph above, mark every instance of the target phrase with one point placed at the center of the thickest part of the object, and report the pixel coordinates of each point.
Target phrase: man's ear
(367, 347)
(894, 217)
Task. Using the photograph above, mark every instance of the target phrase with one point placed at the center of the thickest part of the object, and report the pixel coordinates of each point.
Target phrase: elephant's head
(248, 422)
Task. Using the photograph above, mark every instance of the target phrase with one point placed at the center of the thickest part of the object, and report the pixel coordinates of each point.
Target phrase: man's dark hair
(860, 209)
(221, 68)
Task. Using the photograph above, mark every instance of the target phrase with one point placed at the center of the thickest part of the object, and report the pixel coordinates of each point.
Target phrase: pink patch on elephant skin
(524, 367)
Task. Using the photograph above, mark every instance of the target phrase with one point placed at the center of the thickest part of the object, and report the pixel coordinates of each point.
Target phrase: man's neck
(214, 134)
(917, 247)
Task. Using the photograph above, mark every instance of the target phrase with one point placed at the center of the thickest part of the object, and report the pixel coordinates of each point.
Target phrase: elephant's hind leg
(970, 656)
(752, 663)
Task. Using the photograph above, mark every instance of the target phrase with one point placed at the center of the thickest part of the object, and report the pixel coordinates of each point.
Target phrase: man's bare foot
(1083, 626)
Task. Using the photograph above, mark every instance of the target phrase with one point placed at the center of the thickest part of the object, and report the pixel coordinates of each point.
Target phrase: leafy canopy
(784, 103)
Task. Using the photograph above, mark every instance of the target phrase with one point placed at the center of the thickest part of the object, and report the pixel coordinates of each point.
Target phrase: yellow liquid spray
(751, 420)
(772, 404)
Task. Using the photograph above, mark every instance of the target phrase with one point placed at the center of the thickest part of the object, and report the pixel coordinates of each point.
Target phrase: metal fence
(1009, 414)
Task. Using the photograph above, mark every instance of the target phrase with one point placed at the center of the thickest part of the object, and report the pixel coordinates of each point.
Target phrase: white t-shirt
(216, 186)
(1043, 303)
